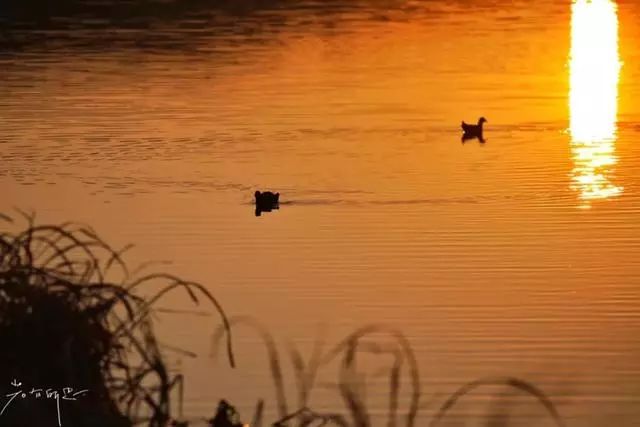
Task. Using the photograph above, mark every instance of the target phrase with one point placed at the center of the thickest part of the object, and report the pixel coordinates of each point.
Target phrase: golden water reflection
(593, 98)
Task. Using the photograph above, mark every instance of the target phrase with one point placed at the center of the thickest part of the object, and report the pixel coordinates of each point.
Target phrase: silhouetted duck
(473, 131)
(266, 201)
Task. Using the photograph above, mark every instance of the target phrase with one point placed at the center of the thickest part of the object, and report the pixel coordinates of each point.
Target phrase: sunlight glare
(593, 97)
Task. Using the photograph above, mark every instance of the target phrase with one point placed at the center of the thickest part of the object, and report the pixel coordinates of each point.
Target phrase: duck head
(481, 120)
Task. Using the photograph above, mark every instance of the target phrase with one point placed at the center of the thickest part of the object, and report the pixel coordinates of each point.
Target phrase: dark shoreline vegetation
(139, 13)
(169, 26)
(67, 321)
(185, 26)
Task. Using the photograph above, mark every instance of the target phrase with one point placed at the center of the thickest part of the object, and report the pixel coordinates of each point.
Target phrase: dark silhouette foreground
(66, 322)
(69, 324)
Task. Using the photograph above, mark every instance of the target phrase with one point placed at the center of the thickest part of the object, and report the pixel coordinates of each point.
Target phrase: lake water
(517, 257)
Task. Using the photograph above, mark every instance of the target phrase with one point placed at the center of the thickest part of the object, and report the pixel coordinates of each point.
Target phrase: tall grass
(402, 374)
(71, 315)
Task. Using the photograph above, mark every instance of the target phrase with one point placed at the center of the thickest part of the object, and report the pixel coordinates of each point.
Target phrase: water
(514, 257)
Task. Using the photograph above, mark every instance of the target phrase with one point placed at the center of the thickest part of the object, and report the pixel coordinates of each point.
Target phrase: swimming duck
(266, 198)
(266, 201)
(473, 131)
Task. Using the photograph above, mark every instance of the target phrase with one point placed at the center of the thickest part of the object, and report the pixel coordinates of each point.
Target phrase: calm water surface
(516, 257)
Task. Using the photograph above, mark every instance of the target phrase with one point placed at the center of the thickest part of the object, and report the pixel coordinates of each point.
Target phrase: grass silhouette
(71, 315)
(403, 375)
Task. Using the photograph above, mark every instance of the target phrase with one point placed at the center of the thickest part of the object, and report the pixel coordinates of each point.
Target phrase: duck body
(473, 131)
(266, 201)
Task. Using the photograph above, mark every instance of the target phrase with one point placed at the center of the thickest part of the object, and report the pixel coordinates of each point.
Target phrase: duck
(267, 198)
(473, 131)
(266, 201)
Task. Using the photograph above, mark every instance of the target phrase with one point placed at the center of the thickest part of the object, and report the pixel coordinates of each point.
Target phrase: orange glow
(594, 74)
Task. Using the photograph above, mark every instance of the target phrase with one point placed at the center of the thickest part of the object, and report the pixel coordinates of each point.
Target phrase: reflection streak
(593, 97)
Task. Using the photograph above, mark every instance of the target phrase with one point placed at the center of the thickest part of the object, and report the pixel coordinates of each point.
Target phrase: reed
(71, 315)
(403, 374)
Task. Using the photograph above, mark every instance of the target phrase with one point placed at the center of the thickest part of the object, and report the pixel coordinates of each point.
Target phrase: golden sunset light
(594, 73)
(363, 213)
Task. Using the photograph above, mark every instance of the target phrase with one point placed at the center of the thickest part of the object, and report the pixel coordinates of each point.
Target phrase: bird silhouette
(473, 131)
(266, 201)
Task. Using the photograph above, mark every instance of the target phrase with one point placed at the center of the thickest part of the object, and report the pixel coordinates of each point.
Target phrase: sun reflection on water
(593, 98)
